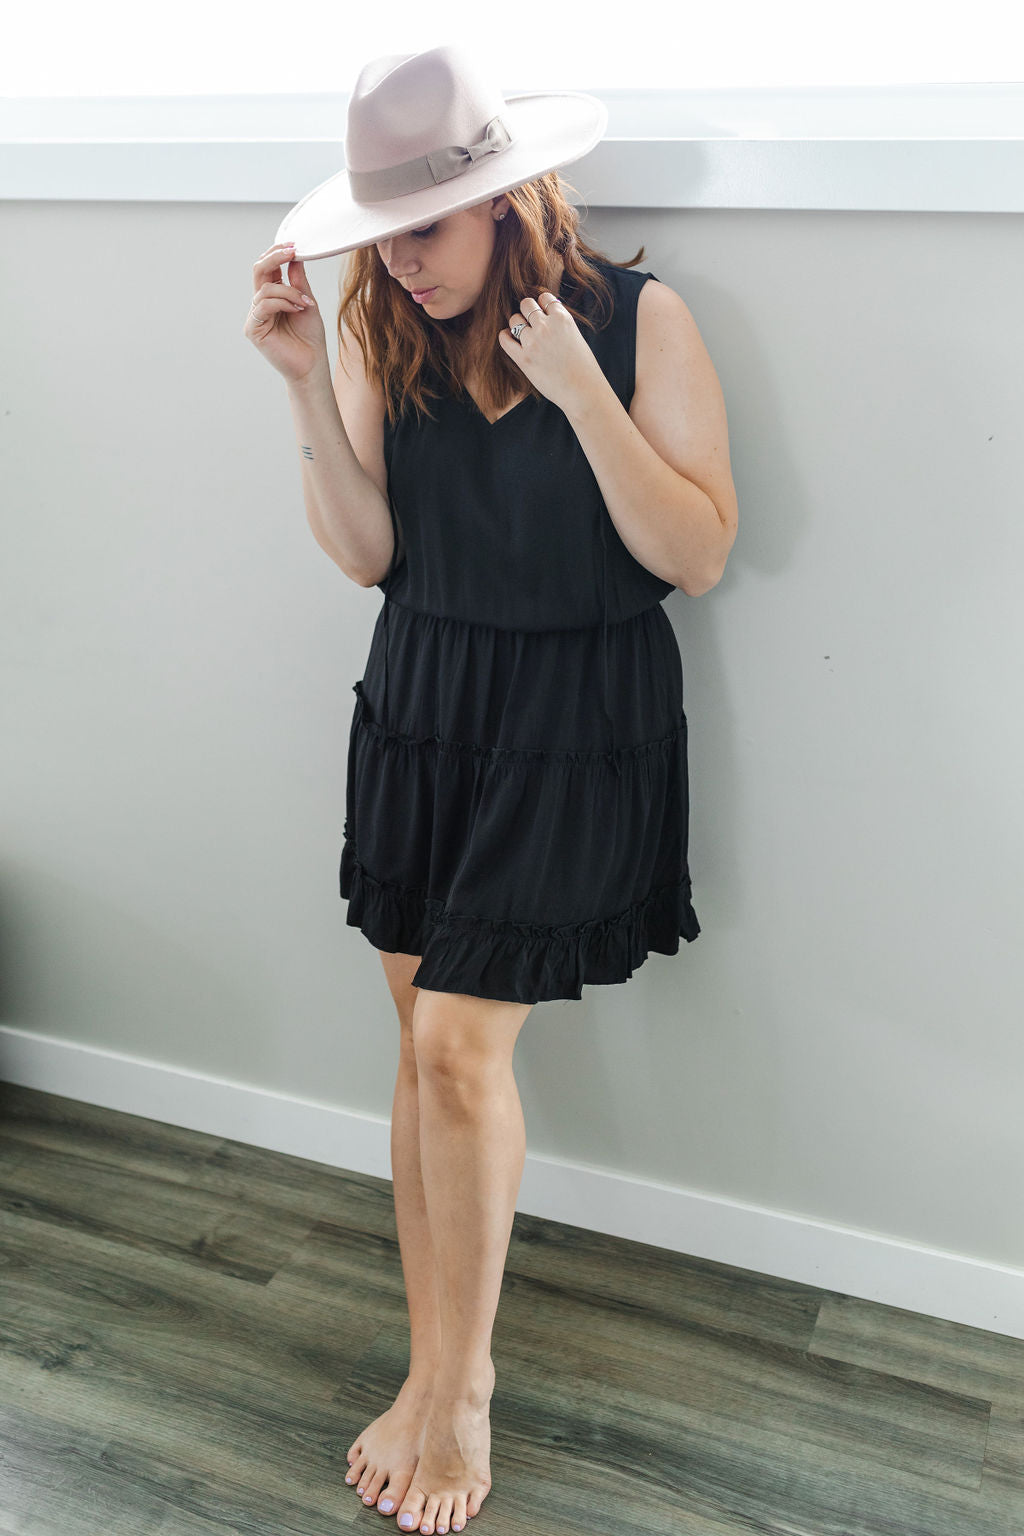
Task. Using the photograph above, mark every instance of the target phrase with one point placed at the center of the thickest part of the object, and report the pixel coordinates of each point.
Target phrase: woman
(526, 448)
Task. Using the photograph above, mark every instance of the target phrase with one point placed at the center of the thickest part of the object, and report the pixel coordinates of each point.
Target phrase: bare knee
(399, 970)
(463, 1039)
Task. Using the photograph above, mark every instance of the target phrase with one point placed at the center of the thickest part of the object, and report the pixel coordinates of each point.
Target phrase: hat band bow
(428, 170)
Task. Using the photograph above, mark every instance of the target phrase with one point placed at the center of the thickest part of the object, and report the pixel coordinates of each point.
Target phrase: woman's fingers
(271, 261)
(272, 324)
(282, 293)
(278, 294)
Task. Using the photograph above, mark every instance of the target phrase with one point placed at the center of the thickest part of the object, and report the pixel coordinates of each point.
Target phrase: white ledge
(922, 148)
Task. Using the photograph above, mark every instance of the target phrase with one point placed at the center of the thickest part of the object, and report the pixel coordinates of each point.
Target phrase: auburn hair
(401, 343)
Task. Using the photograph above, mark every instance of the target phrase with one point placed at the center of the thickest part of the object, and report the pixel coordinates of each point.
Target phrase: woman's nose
(396, 257)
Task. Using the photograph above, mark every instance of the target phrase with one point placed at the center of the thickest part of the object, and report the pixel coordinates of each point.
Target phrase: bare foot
(453, 1473)
(387, 1450)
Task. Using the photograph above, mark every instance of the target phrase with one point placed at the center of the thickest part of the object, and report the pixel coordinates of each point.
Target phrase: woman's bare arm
(344, 479)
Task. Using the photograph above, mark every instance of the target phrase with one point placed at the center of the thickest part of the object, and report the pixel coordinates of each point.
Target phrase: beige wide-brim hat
(428, 134)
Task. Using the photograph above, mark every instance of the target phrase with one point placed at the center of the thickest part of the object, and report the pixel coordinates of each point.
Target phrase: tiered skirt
(491, 829)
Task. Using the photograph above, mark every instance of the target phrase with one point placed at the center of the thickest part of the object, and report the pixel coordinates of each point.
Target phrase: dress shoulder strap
(615, 343)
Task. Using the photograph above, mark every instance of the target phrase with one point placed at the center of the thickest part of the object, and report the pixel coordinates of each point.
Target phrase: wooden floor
(193, 1331)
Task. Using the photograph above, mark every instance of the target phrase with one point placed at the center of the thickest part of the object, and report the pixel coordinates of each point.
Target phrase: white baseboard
(792, 1247)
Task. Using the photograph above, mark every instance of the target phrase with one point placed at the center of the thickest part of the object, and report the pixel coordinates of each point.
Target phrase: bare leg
(383, 1457)
(472, 1150)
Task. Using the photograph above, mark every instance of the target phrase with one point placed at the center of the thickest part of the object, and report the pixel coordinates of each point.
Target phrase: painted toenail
(405, 1521)
(367, 1498)
(349, 1478)
(387, 1505)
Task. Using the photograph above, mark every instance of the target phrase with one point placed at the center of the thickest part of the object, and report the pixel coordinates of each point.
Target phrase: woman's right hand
(289, 333)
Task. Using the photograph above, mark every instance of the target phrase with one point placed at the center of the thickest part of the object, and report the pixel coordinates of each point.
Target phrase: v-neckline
(528, 396)
(508, 412)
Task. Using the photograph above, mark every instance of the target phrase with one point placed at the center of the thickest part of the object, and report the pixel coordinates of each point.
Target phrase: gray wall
(844, 1039)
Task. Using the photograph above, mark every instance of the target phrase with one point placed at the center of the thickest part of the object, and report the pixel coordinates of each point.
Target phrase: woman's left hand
(552, 352)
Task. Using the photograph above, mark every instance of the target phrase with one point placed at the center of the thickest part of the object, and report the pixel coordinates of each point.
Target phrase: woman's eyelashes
(422, 233)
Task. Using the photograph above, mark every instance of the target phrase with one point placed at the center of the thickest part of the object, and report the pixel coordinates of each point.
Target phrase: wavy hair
(405, 343)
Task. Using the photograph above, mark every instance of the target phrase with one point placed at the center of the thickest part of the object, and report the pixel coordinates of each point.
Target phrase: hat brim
(550, 129)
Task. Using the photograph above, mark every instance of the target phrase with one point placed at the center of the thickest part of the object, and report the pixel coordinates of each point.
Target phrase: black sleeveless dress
(517, 801)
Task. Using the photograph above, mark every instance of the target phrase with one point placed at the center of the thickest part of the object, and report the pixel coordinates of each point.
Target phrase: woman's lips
(419, 294)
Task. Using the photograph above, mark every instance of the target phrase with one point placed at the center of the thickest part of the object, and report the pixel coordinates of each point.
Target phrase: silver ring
(517, 330)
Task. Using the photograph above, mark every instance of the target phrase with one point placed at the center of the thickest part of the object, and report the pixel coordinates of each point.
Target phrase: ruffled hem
(507, 961)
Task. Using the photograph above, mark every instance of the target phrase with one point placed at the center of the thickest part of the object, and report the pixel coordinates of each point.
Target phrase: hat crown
(407, 105)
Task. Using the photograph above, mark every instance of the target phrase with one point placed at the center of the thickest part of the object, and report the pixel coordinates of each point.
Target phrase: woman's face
(450, 256)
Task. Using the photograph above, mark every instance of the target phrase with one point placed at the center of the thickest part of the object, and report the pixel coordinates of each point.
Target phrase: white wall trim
(867, 1265)
(916, 148)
